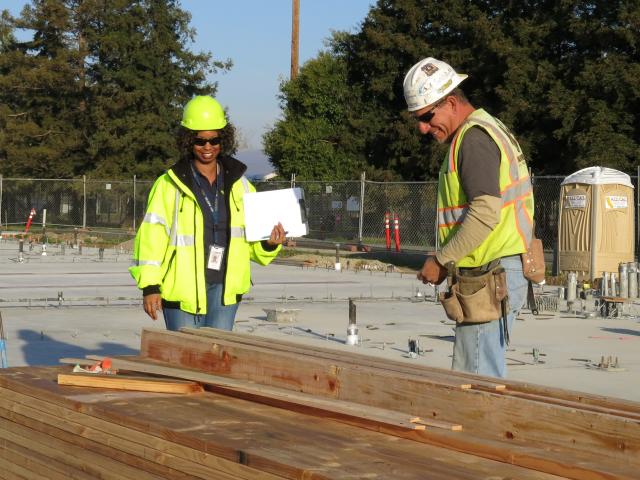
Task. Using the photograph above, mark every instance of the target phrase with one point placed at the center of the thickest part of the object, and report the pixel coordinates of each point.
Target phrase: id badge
(216, 252)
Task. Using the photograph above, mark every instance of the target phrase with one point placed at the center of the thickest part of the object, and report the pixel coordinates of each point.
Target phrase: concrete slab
(100, 313)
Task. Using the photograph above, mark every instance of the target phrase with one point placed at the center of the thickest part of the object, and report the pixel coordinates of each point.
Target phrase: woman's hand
(152, 303)
(278, 235)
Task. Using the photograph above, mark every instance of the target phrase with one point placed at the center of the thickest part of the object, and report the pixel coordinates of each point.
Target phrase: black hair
(184, 141)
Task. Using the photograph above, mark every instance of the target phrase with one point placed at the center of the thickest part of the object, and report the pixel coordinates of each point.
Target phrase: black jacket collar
(233, 170)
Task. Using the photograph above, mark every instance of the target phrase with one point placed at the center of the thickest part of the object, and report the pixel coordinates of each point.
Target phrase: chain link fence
(340, 211)
(112, 208)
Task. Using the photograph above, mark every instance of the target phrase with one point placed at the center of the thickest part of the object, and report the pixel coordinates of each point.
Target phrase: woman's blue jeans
(480, 347)
(217, 316)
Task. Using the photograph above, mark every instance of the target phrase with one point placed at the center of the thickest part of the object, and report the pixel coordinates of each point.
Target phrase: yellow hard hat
(203, 113)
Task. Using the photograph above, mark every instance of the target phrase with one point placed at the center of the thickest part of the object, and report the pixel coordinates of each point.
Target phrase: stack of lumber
(275, 409)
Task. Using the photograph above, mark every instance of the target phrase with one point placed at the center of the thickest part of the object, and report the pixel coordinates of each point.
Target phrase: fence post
(134, 203)
(84, 201)
(360, 220)
(293, 180)
(0, 201)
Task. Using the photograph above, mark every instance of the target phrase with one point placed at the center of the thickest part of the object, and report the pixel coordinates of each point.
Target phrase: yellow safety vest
(514, 232)
(169, 246)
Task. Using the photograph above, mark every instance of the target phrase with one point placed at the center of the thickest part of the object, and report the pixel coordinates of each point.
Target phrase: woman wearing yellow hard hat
(191, 258)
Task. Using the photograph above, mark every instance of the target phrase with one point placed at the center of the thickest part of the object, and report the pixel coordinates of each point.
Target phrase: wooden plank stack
(275, 409)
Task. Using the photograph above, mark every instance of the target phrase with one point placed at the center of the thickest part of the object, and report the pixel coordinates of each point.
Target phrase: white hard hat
(428, 81)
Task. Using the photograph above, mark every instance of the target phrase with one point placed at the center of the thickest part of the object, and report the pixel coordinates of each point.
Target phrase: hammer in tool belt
(452, 277)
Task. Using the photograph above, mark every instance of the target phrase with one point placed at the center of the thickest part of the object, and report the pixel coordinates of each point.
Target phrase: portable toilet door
(596, 222)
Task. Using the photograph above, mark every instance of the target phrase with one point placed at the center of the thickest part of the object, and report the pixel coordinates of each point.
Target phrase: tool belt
(476, 295)
(533, 266)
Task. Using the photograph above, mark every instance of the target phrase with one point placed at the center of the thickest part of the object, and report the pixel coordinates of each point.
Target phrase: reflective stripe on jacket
(514, 231)
(169, 245)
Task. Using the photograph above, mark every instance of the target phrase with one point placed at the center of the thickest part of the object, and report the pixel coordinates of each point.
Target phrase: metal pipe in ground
(623, 275)
(632, 270)
(605, 284)
(613, 288)
(352, 329)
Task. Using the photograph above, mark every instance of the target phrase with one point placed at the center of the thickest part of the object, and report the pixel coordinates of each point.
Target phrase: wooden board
(581, 466)
(123, 382)
(273, 441)
(473, 381)
(271, 413)
(488, 415)
(347, 356)
(371, 417)
(43, 408)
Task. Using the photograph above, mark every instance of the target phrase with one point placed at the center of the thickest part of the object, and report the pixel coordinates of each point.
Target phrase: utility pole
(295, 37)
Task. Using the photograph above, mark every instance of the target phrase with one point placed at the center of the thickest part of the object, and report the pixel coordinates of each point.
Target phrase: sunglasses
(201, 142)
(427, 116)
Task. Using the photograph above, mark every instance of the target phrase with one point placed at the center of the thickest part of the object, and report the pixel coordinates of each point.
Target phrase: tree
(597, 103)
(39, 131)
(99, 89)
(563, 75)
(498, 44)
(140, 76)
(314, 139)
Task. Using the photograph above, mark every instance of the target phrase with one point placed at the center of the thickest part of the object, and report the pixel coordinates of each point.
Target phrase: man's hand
(152, 304)
(432, 272)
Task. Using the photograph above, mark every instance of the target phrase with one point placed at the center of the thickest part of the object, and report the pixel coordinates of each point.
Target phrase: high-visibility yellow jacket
(169, 245)
(514, 232)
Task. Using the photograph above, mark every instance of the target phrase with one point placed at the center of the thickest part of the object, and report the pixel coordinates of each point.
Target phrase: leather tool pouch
(533, 266)
(476, 297)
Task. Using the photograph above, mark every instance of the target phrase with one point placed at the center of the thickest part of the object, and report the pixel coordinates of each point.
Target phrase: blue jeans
(480, 347)
(217, 316)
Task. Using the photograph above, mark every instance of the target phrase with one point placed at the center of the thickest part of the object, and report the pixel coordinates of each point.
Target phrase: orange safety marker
(30, 219)
(387, 230)
(396, 231)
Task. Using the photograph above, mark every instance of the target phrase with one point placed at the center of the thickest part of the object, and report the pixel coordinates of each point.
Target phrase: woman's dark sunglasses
(201, 142)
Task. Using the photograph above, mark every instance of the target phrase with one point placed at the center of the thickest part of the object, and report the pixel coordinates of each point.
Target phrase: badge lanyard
(212, 207)
(216, 252)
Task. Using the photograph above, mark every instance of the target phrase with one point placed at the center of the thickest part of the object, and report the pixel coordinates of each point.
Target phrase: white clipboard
(263, 210)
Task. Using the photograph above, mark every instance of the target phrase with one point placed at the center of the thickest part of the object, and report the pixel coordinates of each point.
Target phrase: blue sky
(256, 35)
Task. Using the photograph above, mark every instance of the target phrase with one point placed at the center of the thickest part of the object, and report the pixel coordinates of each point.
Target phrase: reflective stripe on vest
(155, 219)
(515, 190)
(173, 235)
(145, 262)
(237, 232)
(520, 188)
(245, 184)
(184, 241)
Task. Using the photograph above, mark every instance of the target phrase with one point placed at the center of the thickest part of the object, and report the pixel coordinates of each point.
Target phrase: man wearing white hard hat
(485, 216)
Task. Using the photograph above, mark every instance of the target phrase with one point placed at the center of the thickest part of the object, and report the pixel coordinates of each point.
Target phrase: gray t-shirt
(479, 164)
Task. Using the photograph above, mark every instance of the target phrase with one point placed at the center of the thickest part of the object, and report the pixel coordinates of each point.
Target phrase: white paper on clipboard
(263, 210)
